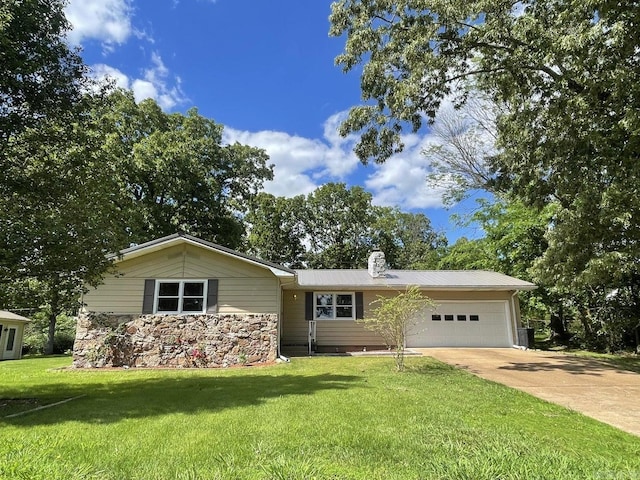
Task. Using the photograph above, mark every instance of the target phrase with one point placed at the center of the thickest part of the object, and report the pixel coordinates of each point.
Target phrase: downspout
(514, 326)
(280, 315)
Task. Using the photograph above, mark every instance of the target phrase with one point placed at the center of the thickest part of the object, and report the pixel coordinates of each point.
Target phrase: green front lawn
(319, 418)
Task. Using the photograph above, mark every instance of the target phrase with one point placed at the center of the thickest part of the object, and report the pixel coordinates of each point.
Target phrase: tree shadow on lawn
(569, 364)
(144, 397)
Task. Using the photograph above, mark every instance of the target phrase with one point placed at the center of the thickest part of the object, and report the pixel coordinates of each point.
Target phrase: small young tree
(393, 316)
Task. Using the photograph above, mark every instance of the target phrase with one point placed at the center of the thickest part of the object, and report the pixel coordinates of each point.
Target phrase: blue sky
(266, 71)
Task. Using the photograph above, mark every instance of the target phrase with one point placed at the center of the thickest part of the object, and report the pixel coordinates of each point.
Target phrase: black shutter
(359, 306)
(212, 296)
(308, 305)
(149, 293)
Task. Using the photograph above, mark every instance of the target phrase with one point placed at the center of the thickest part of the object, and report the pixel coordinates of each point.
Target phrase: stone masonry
(199, 340)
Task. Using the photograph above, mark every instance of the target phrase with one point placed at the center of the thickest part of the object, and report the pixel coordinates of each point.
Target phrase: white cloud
(303, 164)
(103, 72)
(108, 21)
(401, 180)
(300, 164)
(155, 83)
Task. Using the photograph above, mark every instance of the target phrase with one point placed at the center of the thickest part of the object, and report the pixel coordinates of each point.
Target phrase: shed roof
(431, 279)
(6, 315)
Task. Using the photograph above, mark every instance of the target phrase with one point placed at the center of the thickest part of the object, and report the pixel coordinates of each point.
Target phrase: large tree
(40, 76)
(568, 76)
(58, 217)
(338, 224)
(56, 220)
(276, 229)
(408, 240)
(176, 173)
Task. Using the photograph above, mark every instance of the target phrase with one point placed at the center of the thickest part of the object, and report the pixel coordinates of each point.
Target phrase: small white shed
(11, 334)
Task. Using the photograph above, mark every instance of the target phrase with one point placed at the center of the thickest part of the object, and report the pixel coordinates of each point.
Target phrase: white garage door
(462, 324)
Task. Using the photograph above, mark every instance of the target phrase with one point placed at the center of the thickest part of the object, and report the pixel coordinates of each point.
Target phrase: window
(474, 318)
(180, 296)
(462, 318)
(436, 318)
(448, 318)
(333, 306)
(11, 339)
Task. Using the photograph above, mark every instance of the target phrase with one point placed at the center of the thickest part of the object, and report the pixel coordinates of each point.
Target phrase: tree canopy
(175, 174)
(336, 226)
(41, 76)
(565, 76)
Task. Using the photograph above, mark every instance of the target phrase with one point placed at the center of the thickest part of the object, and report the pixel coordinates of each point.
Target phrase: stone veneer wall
(200, 340)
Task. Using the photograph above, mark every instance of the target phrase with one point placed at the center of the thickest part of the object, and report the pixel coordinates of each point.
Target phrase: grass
(319, 418)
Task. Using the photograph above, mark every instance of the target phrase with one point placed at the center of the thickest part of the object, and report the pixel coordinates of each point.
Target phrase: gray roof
(159, 242)
(431, 279)
(6, 315)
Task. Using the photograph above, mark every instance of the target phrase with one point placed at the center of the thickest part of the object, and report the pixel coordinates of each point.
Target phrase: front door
(8, 343)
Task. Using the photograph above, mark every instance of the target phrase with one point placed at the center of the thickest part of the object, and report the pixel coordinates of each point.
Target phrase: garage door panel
(490, 330)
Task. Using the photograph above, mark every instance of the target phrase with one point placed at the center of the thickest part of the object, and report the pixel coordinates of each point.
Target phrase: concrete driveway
(582, 384)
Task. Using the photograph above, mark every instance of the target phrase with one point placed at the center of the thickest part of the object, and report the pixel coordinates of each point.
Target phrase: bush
(35, 334)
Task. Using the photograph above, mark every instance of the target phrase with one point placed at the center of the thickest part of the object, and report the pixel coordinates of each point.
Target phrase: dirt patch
(9, 406)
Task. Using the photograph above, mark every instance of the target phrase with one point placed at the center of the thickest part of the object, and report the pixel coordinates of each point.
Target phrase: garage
(474, 308)
(463, 324)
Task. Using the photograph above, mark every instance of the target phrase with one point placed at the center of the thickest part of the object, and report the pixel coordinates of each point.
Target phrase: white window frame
(181, 297)
(334, 306)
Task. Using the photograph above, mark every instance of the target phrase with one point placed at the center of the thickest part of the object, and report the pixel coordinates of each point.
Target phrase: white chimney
(377, 264)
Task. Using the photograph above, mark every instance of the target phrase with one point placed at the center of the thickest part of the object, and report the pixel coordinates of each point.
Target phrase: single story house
(11, 335)
(183, 301)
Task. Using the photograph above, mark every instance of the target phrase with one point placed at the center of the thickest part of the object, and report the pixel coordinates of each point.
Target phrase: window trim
(334, 306)
(181, 282)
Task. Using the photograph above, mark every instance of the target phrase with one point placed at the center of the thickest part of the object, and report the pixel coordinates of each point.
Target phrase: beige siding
(294, 326)
(242, 287)
(330, 333)
(351, 333)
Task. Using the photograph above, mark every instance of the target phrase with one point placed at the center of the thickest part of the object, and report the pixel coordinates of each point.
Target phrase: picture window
(333, 306)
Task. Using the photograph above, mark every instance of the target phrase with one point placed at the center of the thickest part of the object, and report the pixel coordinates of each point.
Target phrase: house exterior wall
(242, 287)
(16, 352)
(201, 340)
(349, 333)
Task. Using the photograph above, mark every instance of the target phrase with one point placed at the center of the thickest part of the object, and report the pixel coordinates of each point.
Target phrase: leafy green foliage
(276, 229)
(337, 227)
(58, 211)
(393, 317)
(175, 174)
(408, 240)
(41, 77)
(566, 77)
(36, 334)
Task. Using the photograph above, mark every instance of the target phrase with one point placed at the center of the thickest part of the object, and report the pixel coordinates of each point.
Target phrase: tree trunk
(53, 317)
(587, 324)
(557, 326)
